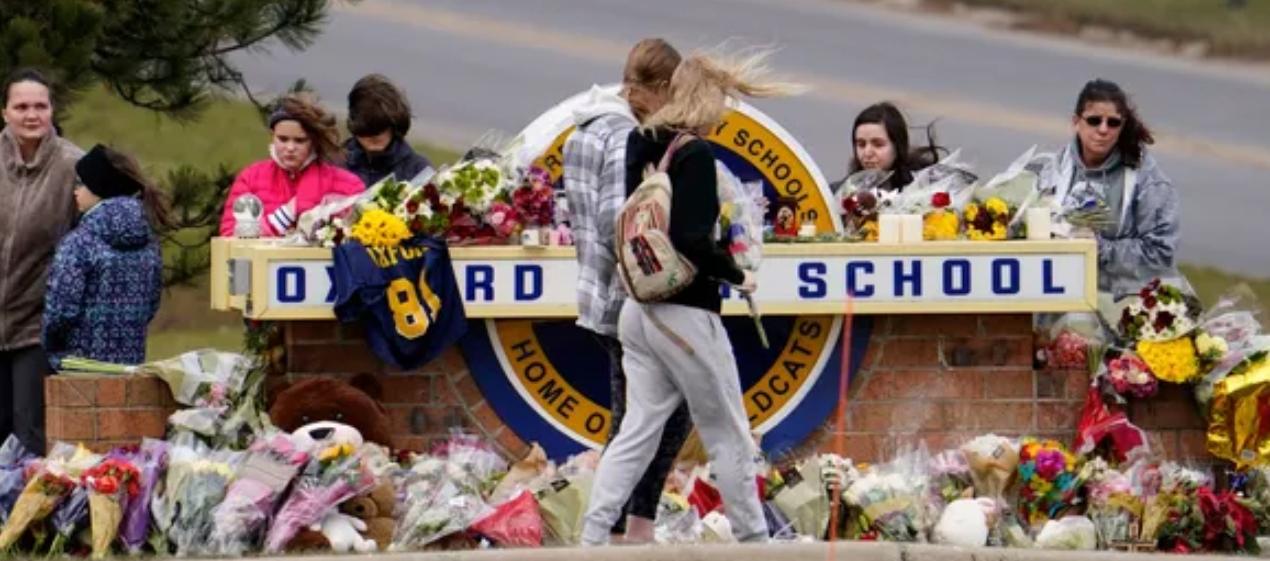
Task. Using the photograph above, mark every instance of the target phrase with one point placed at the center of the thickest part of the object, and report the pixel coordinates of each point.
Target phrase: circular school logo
(548, 380)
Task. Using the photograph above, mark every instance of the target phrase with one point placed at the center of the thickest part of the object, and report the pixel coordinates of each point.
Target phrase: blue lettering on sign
(854, 269)
(290, 292)
(811, 274)
(528, 282)
(956, 277)
(1005, 276)
(479, 277)
(913, 279)
(1047, 271)
(330, 276)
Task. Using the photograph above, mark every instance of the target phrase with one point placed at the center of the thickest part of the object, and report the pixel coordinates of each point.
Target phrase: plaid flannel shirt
(595, 183)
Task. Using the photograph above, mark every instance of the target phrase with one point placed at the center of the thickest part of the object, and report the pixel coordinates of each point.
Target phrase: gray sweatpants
(675, 353)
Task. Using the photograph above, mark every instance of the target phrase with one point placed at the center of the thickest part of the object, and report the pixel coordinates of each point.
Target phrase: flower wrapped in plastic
(515, 523)
(1113, 507)
(49, 482)
(379, 228)
(562, 505)
(892, 501)
(950, 480)
(448, 510)
(1049, 481)
(1075, 533)
(240, 520)
(1172, 515)
(331, 477)
(677, 521)
(67, 520)
(476, 182)
(534, 200)
(45, 489)
(151, 461)
(471, 463)
(988, 220)
(942, 222)
(1229, 526)
(741, 210)
(14, 458)
(993, 461)
(1129, 376)
(196, 482)
(111, 484)
(860, 198)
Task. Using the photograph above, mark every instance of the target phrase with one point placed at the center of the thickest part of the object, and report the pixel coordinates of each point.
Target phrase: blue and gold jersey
(405, 297)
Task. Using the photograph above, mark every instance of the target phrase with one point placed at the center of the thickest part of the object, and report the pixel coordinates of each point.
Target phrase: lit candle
(1038, 224)
(807, 231)
(889, 228)
(530, 236)
(911, 228)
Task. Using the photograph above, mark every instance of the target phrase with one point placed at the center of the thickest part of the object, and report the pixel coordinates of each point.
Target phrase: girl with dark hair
(879, 140)
(37, 171)
(379, 118)
(108, 272)
(1107, 160)
(302, 168)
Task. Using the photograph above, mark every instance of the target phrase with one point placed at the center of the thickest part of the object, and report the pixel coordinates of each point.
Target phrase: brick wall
(424, 404)
(944, 379)
(106, 411)
(941, 379)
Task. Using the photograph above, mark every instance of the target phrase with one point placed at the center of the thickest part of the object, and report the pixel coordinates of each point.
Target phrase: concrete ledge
(840, 551)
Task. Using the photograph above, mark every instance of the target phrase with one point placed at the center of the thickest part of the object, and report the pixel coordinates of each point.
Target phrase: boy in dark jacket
(379, 118)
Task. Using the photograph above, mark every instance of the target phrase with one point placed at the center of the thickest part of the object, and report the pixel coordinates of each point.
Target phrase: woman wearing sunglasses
(1107, 162)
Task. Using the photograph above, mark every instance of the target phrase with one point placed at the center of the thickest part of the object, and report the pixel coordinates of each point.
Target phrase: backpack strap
(680, 140)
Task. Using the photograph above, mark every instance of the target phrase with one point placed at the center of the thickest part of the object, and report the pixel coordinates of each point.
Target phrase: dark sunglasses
(1096, 120)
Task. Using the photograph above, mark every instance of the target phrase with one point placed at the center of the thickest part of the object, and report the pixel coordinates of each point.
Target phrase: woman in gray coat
(1107, 162)
(37, 207)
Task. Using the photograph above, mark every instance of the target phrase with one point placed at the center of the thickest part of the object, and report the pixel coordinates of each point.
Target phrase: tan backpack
(651, 269)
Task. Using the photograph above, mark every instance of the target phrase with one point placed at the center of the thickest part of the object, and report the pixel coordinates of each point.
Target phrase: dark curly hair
(376, 105)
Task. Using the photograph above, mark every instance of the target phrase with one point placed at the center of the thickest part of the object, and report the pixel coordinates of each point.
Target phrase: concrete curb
(840, 551)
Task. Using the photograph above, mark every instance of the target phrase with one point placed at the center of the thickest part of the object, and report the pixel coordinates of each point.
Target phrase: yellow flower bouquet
(380, 228)
(989, 221)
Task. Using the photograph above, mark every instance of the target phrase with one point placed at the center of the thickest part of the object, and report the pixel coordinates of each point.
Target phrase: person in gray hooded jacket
(1107, 161)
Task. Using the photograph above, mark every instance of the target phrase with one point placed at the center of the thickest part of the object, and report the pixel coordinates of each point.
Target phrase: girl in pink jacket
(300, 172)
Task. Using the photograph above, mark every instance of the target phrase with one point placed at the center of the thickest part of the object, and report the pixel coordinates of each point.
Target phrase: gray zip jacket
(1142, 245)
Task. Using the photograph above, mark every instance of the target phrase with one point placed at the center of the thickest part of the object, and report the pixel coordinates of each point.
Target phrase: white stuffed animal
(345, 533)
(964, 523)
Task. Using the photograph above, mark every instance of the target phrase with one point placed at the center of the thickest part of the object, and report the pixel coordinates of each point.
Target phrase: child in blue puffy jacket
(107, 273)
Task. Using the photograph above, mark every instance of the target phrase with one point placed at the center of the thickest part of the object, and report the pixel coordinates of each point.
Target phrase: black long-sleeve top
(693, 214)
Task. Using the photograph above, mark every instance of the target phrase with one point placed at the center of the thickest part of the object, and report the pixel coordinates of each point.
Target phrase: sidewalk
(842, 551)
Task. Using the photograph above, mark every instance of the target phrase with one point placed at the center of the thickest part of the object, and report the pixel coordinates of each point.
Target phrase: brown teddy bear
(376, 510)
(319, 410)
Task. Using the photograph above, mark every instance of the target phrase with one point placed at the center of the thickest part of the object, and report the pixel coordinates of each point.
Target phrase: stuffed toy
(375, 511)
(322, 412)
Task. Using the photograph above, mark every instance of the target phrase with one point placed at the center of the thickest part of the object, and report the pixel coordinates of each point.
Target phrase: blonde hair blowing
(702, 84)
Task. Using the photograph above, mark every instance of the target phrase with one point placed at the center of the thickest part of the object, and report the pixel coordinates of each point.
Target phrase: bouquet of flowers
(1229, 526)
(1162, 312)
(67, 519)
(534, 201)
(477, 182)
(238, 521)
(989, 220)
(48, 483)
(1114, 509)
(430, 517)
(13, 460)
(993, 462)
(1161, 320)
(1129, 376)
(151, 460)
(379, 228)
(741, 210)
(941, 223)
(111, 484)
(515, 523)
(1072, 340)
(335, 475)
(196, 484)
(949, 479)
(1172, 515)
(1048, 481)
(861, 197)
(892, 499)
(676, 521)
(46, 488)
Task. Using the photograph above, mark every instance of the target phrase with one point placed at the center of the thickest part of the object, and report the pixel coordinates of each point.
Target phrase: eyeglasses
(1096, 120)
